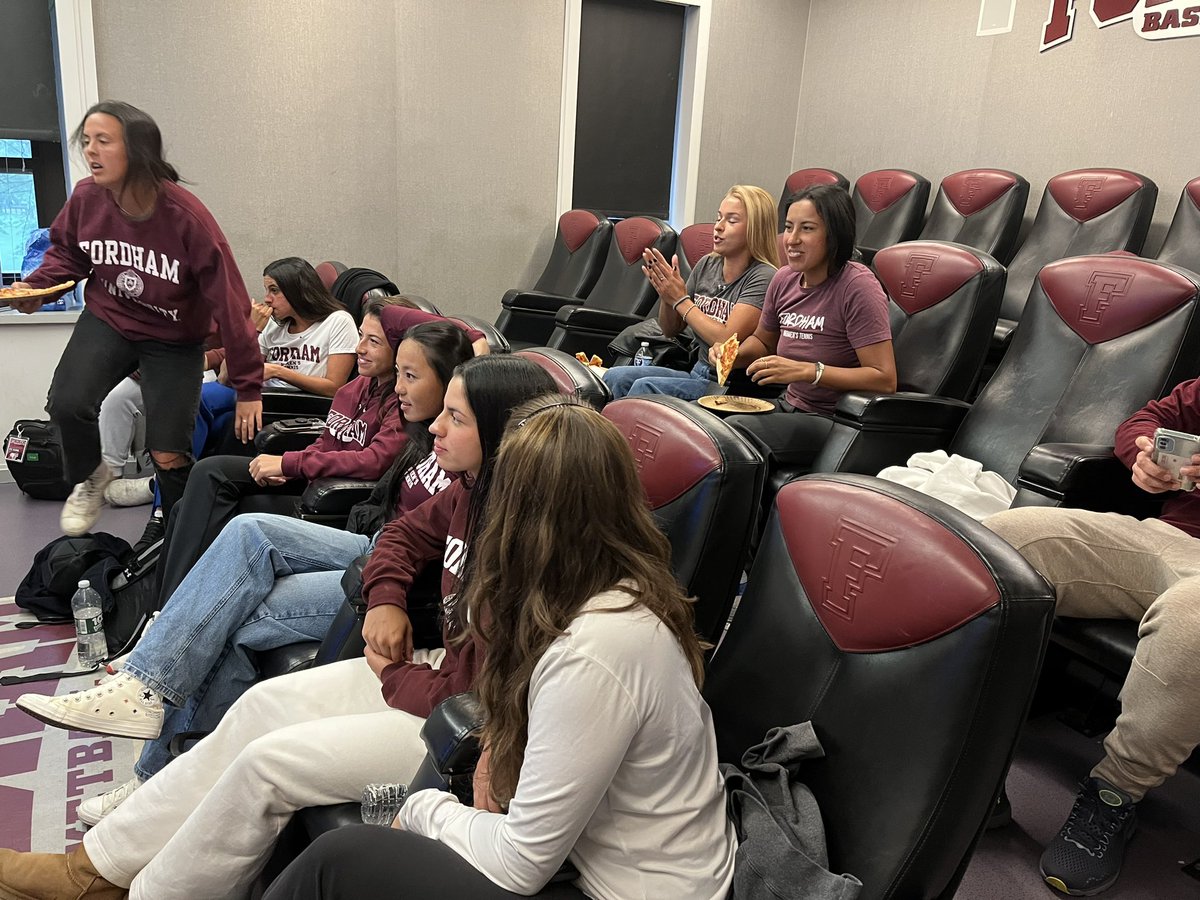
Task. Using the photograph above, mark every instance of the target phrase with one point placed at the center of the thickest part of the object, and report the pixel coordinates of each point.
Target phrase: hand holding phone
(1173, 450)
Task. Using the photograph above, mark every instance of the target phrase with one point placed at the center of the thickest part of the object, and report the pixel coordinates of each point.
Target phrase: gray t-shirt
(716, 299)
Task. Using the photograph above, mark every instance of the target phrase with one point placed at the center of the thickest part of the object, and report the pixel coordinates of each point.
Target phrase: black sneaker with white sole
(1085, 858)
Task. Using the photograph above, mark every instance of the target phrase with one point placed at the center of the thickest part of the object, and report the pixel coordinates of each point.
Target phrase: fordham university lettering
(801, 322)
(430, 474)
(119, 253)
(346, 429)
(714, 307)
(291, 356)
(1152, 19)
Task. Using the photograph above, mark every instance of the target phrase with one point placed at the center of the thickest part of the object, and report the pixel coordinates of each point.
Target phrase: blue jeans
(266, 581)
(638, 381)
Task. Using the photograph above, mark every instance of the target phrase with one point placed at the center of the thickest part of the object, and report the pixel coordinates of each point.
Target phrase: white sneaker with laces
(130, 491)
(120, 705)
(82, 508)
(115, 665)
(93, 810)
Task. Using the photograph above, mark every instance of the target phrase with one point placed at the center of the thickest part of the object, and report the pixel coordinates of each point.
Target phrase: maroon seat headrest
(634, 235)
(327, 273)
(570, 375)
(576, 226)
(1107, 296)
(863, 560)
(696, 242)
(882, 188)
(802, 178)
(1084, 194)
(673, 453)
(977, 189)
(921, 274)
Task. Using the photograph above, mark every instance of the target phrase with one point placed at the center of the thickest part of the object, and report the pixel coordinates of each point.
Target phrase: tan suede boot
(53, 876)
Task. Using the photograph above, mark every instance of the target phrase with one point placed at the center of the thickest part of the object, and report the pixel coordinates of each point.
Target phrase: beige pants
(203, 827)
(1105, 566)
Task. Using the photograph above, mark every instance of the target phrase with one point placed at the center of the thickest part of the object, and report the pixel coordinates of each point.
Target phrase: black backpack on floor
(33, 452)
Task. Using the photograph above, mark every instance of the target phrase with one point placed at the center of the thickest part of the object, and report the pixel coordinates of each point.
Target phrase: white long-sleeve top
(620, 773)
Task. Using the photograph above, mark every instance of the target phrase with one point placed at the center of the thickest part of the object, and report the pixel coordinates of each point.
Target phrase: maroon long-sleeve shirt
(364, 433)
(434, 530)
(1180, 411)
(162, 279)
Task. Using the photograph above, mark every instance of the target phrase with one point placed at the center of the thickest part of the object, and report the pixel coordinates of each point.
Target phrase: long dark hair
(566, 519)
(446, 346)
(836, 209)
(147, 166)
(495, 384)
(303, 288)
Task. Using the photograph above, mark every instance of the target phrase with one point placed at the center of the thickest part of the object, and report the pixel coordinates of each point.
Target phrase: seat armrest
(905, 410)
(279, 404)
(1084, 476)
(451, 734)
(352, 580)
(1064, 467)
(288, 434)
(334, 496)
(608, 320)
(538, 301)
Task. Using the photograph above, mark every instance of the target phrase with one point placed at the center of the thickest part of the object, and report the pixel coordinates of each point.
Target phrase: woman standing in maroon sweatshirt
(158, 271)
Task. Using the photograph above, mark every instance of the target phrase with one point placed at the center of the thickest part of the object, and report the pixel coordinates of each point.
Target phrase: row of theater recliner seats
(592, 286)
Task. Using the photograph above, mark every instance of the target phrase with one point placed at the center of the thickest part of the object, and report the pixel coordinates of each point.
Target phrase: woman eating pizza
(824, 330)
(159, 272)
(723, 295)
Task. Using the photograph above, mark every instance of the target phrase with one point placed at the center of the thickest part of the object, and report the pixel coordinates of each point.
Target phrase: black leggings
(372, 861)
(219, 488)
(787, 437)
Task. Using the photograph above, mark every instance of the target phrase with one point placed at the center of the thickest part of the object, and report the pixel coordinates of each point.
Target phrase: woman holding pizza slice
(723, 295)
(824, 330)
(159, 272)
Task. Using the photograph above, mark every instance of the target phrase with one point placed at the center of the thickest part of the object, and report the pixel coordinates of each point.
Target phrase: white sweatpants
(205, 826)
(119, 414)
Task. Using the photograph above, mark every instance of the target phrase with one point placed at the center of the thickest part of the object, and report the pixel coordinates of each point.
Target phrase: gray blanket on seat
(781, 840)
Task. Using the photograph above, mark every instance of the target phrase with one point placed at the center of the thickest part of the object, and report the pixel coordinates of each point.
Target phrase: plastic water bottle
(642, 357)
(381, 803)
(89, 626)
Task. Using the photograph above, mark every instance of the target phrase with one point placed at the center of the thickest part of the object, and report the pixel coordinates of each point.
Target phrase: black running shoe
(1085, 858)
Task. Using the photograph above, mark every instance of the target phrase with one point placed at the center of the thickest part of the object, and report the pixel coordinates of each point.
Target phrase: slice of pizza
(595, 361)
(15, 293)
(583, 358)
(726, 353)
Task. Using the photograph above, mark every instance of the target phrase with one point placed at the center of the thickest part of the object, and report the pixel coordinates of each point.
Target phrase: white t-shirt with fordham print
(307, 352)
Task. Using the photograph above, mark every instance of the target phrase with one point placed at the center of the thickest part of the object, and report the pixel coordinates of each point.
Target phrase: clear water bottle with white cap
(89, 626)
(643, 357)
(381, 802)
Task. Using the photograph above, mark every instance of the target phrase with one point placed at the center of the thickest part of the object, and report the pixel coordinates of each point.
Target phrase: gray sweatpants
(1106, 566)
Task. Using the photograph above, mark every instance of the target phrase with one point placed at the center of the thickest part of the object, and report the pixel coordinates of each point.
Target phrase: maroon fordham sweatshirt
(1180, 411)
(434, 530)
(164, 279)
(364, 432)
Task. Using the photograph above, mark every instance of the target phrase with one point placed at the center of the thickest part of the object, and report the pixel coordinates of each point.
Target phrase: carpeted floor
(45, 772)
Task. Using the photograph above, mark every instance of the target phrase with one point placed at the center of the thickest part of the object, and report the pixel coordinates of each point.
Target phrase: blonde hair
(761, 222)
(566, 519)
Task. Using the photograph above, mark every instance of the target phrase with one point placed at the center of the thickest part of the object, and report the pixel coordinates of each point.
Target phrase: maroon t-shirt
(1179, 411)
(166, 278)
(826, 323)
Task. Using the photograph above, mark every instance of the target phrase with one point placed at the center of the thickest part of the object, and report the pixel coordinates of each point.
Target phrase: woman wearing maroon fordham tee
(158, 271)
(824, 330)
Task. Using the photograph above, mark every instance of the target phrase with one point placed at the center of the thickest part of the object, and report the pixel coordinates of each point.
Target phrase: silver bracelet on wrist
(820, 371)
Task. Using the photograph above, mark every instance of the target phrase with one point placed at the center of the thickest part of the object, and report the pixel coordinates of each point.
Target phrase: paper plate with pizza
(9, 294)
(727, 352)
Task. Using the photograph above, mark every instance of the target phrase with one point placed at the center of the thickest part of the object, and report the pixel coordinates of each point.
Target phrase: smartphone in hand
(1174, 449)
